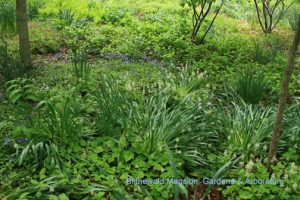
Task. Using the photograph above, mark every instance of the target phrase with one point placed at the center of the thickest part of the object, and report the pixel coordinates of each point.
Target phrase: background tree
(201, 9)
(269, 13)
(283, 95)
(22, 28)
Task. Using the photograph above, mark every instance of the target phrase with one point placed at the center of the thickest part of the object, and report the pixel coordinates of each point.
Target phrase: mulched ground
(197, 192)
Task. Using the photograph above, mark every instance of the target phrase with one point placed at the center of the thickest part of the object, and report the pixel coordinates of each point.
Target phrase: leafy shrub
(44, 39)
(251, 87)
(96, 40)
(75, 37)
(115, 16)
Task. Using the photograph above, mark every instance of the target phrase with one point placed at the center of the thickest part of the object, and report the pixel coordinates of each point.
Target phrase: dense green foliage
(120, 91)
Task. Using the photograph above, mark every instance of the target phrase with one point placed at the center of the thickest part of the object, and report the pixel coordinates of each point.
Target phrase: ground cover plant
(148, 99)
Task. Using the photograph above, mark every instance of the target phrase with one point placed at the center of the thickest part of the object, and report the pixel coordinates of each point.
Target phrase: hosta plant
(21, 90)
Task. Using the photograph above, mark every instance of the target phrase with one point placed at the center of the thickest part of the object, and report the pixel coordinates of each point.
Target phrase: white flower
(200, 75)
(51, 189)
(248, 146)
(273, 176)
(293, 169)
(242, 156)
(249, 165)
(196, 152)
(287, 189)
(160, 147)
(241, 164)
(225, 152)
(294, 166)
(265, 147)
(265, 160)
(295, 186)
(273, 159)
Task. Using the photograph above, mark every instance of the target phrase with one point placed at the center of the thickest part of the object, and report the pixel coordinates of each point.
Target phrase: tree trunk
(22, 28)
(283, 96)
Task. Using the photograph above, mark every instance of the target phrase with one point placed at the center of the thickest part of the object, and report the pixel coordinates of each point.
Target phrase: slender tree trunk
(22, 28)
(283, 96)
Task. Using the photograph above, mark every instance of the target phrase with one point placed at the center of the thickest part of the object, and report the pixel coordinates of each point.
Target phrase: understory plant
(159, 120)
(113, 106)
(247, 129)
(66, 17)
(81, 68)
(186, 81)
(179, 126)
(21, 90)
(9, 68)
(33, 8)
(126, 160)
(53, 130)
(292, 18)
(55, 188)
(283, 183)
(7, 16)
(291, 128)
(251, 86)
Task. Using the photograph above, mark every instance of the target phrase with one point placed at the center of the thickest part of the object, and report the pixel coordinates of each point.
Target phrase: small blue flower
(22, 140)
(6, 140)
